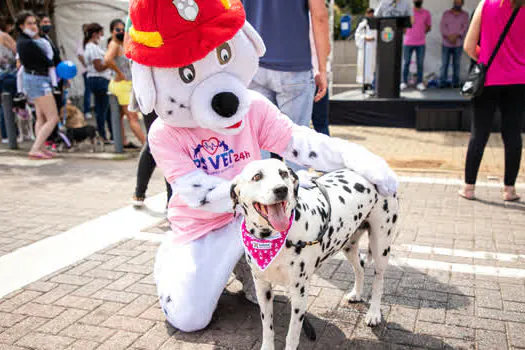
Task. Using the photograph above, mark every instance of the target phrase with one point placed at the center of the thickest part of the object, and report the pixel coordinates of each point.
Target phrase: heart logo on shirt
(211, 145)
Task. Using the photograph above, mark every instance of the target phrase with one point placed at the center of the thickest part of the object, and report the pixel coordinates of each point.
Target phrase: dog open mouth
(275, 214)
(235, 126)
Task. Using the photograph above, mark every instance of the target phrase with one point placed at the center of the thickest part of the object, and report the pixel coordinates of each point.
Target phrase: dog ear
(295, 182)
(143, 87)
(233, 195)
(255, 38)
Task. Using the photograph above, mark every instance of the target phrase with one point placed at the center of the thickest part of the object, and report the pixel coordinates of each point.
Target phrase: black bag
(473, 86)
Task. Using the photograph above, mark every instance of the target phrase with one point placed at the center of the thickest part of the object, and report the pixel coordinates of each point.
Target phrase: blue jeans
(320, 113)
(420, 58)
(291, 92)
(87, 95)
(455, 52)
(7, 84)
(99, 88)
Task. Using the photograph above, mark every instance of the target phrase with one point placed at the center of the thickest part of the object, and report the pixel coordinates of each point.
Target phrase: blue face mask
(457, 7)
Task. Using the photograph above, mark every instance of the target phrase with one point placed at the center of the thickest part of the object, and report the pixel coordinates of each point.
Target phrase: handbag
(475, 83)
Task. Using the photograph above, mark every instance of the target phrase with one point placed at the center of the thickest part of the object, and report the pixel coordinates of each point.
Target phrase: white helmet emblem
(188, 9)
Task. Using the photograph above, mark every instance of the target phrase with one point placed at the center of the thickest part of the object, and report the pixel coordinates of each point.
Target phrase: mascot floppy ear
(255, 38)
(144, 87)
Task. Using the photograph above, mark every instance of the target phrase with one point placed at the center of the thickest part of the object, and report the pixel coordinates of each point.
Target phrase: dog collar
(264, 251)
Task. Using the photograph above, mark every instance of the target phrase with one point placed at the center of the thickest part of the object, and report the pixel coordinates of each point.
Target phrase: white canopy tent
(69, 15)
(434, 41)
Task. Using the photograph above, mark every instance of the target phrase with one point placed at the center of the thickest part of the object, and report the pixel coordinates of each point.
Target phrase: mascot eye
(257, 177)
(224, 53)
(283, 173)
(187, 74)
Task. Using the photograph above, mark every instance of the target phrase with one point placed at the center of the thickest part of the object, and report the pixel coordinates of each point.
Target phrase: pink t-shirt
(416, 36)
(179, 151)
(508, 67)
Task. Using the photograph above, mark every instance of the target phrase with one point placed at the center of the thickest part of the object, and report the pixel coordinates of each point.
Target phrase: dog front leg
(298, 300)
(265, 299)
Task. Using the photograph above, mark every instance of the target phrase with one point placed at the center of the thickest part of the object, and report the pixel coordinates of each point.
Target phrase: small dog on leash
(24, 118)
(77, 130)
(288, 232)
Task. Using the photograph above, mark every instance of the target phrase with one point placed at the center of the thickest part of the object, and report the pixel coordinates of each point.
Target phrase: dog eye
(187, 74)
(257, 177)
(284, 174)
(224, 53)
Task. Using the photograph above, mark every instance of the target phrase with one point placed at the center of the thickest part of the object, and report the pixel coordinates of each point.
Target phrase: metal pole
(9, 117)
(115, 123)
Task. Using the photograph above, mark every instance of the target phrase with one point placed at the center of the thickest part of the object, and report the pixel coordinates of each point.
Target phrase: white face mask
(29, 32)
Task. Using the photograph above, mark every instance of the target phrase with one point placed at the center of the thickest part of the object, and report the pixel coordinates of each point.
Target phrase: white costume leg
(191, 277)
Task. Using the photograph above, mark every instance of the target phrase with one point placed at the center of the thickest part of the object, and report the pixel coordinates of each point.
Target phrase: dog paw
(353, 297)
(373, 318)
(188, 9)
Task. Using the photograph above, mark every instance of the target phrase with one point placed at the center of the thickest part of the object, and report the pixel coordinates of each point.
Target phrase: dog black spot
(362, 262)
(302, 290)
(312, 155)
(365, 226)
(297, 214)
(353, 242)
(170, 112)
(271, 327)
(343, 181)
(182, 106)
(288, 245)
(268, 295)
(385, 206)
(302, 266)
(341, 199)
(314, 212)
(387, 220)
(355, 217)
(385, 253)
(204, 201)
(262, 316)
(330, 231)
(168, 299)
(317, 262)
(389, 232)
(306, 226)
(359, 188)
(330, 181)
(301, 318)
(360, 215)
(347, 189)
(346, 249)
(394, 218)
(297, 285)
(252, 231)
(296, 311)
(368, 191)
(291, 263)
(295, 153)
(298, 247)
(172, 100)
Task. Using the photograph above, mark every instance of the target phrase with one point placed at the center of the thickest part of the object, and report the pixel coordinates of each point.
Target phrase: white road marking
(462, 253)
(448, 181)
(31, 263)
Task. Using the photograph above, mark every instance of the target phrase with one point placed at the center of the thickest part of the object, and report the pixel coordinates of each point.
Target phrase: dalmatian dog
(341, 204)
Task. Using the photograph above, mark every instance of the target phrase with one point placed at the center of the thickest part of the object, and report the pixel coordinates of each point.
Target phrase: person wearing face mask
(120, 85)
(454, 26)
(7, 68)
(394, 8)
(36, 81)
(414, 41)
(98, 76)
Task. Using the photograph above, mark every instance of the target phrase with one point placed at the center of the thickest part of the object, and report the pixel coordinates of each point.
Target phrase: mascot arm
(204, 192)
(324, 153)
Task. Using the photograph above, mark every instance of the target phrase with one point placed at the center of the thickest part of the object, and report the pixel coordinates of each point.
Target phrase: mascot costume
(192, 61)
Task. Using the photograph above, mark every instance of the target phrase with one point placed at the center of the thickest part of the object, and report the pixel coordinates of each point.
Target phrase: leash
(301, 244)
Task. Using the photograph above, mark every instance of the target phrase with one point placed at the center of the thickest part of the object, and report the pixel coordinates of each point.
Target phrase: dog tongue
(277, 217)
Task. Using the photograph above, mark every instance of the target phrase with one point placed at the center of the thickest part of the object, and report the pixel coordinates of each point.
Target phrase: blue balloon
(66, 70)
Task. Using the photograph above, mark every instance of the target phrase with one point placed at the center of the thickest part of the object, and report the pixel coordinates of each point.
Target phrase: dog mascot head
(193, 61)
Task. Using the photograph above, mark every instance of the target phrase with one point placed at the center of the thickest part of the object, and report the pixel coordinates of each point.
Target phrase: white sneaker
(5, 141)
(137, 202)
(421, 87)
(89, 115)
(403, 86)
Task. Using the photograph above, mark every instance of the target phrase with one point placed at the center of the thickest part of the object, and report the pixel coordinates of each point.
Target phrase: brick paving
(457, 295)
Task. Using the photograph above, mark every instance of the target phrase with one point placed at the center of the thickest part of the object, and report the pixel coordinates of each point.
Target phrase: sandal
(48, 153)
(467, 192)
(510, 195)
(38, 156)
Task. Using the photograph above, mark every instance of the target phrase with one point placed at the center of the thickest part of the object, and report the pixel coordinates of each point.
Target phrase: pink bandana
(264, 251)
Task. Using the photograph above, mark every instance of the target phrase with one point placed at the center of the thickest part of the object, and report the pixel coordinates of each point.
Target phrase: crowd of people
(453, 28)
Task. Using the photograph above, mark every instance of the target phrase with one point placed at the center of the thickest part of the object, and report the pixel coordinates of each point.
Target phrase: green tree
(355, 7)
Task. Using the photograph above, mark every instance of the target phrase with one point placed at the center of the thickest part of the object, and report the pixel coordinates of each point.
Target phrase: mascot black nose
(225, 104)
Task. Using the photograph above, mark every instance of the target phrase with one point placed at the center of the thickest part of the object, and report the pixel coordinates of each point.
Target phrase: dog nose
(225, 104)
(280, 192)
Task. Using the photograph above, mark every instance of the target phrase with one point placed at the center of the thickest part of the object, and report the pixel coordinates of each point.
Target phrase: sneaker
(89, 115)
(421, 87)
(131, 145)
(403, 86)
(5, 141)
(137, 202)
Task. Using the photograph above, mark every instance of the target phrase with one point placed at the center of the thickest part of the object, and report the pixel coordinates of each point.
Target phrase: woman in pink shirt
(504, 88)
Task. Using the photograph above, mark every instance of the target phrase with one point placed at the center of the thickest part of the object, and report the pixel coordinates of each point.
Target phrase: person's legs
(407, 56)
(87, 95)
(99, 114)
(484, 109)
(134, 124)
(48, 110)
(3, 129)
(420, 59)
(512, 107)
(122, 131)
(456, 63)
(320, 115)
(295, 97)
(191, 277)
(445, 61)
